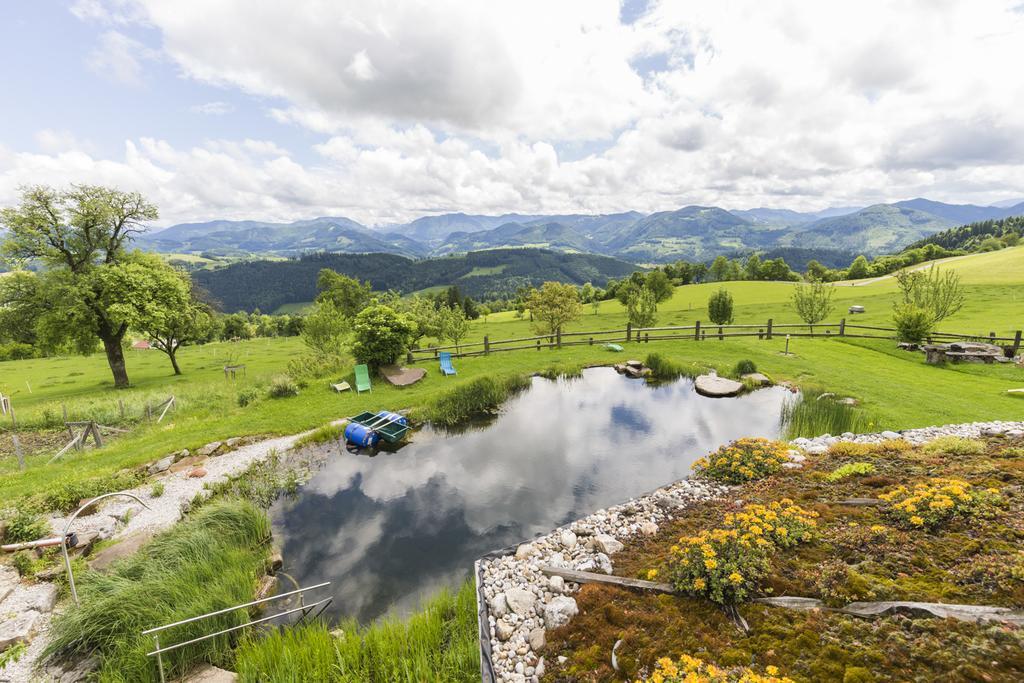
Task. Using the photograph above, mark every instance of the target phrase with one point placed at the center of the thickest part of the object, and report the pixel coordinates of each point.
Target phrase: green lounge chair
(362, 379)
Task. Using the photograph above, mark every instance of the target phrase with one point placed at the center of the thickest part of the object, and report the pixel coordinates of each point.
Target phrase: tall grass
(667, 369)
(438, 643)
(811, 414)
(208, 562)
(324, 434)
(480, 396)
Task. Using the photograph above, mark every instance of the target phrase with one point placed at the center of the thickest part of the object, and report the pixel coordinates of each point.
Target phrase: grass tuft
(324, 434)
(438, 643)
(955, 445)
(480, 396)
(810, 414)
(666, 369)
(850, 469)
(208, 562)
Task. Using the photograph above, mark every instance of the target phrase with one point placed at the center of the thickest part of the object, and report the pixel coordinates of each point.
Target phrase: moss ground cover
(857, 553)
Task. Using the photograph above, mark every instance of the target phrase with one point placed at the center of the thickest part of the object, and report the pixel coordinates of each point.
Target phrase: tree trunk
(115, 357)
(172, 354)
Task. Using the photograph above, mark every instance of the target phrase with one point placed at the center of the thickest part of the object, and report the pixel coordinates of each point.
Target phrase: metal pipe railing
(158, 650)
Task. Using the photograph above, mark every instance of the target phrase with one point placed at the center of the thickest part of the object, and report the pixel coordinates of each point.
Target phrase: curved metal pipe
(67, 528)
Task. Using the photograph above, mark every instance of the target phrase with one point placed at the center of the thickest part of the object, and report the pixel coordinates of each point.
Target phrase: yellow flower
(782, 531)
(699, 584)
(771, 670)
(916, 521)
(736, 578)
(710, 563)
(651, 573)
(878, 528)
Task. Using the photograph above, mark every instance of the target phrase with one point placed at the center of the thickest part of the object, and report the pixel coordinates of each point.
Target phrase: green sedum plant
(850, 469)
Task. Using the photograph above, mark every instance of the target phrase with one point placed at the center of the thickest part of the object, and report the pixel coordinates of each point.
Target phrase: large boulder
(717, 387)
(18, 629)
(559, 611)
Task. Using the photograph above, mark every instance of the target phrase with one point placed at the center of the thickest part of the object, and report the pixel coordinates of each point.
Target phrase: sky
(387, 110)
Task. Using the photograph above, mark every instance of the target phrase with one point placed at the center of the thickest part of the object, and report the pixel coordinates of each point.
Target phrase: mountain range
(691, 232)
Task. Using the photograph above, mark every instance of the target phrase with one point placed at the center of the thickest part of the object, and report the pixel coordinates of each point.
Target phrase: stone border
(516, 601)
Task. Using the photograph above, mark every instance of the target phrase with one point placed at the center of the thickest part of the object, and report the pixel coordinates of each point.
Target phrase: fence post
(842, 327)
(487, 345)
(720, 337)
(647, 337)
(992, 337)
(558, 337)
(769, 332)
(591, 341)
(629, 331)
(760, 334)
(538, 344)
(1016, 342)
(408, 357)
(696, 331)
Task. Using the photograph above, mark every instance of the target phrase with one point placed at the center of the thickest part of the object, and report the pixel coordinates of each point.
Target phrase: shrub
(932, 503)
(247, 396)
(381, 335)
(688, 669)
(314, 366)
(282, 386)
(24, 562)
(913, 323)
(479, 396)
(722, 565)
(850, 469)
(157, 490)
(26, 526)
(16, 351)
(955, 445)
(720, 307)
(781, 522)
(745, 367)
(743, 460)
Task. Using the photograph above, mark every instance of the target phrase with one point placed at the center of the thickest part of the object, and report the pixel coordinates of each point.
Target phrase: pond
(390, 530)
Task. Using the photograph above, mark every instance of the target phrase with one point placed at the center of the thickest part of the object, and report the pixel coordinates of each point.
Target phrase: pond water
(392, 529)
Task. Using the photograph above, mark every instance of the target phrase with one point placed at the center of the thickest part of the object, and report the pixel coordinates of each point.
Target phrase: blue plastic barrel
(393, 418)
(361, 436)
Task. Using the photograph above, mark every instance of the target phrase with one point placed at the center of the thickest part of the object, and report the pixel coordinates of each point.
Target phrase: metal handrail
(232, 609)
(305, 609)
(67, 529)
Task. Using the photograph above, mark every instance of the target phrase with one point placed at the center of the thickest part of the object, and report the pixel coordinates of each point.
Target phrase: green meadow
(895, 388)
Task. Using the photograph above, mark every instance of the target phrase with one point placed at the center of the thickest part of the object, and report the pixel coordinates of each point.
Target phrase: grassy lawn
(896, 389)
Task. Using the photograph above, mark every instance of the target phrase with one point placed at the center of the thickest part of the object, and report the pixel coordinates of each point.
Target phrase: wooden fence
(695, 332)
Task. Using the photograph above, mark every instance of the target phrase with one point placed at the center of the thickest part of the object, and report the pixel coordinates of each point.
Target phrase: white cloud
(119, 58)
(212, 108)
(462, 106)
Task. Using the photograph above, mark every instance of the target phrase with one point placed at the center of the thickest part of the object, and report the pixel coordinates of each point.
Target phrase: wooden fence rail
(697, 331)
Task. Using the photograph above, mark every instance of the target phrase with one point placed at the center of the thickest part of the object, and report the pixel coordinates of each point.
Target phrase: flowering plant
(689, 669)
(723, 565)
(781, 522)
(743, 460)
(932, 503)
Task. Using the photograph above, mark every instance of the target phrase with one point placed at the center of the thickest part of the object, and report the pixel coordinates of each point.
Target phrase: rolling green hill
(267, 285)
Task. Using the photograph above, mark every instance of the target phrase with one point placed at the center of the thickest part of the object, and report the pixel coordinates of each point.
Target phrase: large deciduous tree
(81, 235)
(553, 306)
(348, 295)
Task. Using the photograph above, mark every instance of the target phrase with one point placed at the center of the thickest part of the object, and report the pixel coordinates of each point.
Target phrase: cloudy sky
(387, 110)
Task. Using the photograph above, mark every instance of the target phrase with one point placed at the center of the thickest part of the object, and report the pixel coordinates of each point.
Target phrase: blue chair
(446, 363)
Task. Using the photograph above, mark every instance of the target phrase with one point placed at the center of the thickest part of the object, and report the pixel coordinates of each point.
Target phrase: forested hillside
(483, 275)
(973, 237)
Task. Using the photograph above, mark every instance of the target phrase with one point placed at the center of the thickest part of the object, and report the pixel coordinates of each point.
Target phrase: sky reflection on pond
(392, 529)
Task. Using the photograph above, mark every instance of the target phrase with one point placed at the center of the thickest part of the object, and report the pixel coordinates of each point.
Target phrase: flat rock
(714, 386)
(40, 597)
(890, 435)
(106, 557)
(607, 544)
(18, 629)
(210, 448)
(9, 580)
(233, 442)
(161, 465)
(634, 364)
(187, 463)
(207, 673)
(402, 376)
(757, 378)
(537, 639)
(197, 473)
